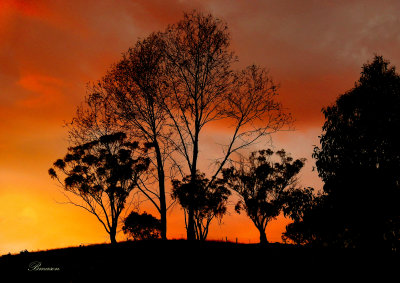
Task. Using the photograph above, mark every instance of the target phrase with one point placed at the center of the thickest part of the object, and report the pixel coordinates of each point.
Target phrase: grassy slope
(171, 259)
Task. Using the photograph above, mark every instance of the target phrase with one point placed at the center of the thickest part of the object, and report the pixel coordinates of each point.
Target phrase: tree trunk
(191, 234)
(161, 184)
(263, 236)
(113, 233)
(163, 212)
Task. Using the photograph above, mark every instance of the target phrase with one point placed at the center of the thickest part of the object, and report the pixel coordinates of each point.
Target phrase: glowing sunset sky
(49, 50)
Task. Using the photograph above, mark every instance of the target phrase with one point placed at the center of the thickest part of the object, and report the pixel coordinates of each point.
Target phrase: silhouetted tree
(136, 86)
(207, 200)
(100, 175)
(359, 161)
(202, 87)
(261, 184)
(142, 226)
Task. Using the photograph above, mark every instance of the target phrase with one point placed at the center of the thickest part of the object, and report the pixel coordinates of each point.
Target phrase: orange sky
(49, 50)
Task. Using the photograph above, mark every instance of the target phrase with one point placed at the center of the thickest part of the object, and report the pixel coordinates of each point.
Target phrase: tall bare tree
(135, 85)
(202, 87)
(198, 66)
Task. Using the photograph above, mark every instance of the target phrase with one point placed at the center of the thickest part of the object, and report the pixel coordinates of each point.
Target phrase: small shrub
(142, 226)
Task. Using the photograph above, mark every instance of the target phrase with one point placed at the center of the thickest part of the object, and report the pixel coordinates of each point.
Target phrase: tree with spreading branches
(262, 185)
(100, 175)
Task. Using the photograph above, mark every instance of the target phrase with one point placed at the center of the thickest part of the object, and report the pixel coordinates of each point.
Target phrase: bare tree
(203, 88)
(94, 118)
(198, 73)
(135, 86)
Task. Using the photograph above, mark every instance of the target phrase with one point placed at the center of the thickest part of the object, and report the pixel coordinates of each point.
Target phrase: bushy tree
(359, 161)
(207, 200)
(302, 205)
(100, 175)
(261, 184)
(142, 226)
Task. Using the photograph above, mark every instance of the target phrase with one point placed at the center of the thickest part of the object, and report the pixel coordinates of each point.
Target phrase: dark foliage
(142, 226)
(359, 162)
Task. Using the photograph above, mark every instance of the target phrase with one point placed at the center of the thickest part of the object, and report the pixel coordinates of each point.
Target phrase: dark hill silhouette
(134, 259)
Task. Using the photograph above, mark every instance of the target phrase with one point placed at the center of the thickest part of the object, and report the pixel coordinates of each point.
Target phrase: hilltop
(133, 260)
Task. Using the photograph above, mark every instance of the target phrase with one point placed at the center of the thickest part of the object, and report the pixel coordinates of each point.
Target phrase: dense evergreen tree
(359, 162)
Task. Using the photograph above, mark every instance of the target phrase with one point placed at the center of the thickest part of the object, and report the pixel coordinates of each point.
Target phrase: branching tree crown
(260, 183)
(101, 174)
(202, 88)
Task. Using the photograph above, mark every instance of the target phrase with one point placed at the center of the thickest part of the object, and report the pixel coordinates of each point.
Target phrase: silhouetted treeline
(159, 99)
(164, 92)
